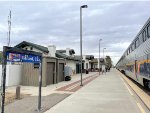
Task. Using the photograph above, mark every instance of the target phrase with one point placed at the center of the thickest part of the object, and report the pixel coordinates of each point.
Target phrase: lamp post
(103, 52)
(99, 54)
(83, 6)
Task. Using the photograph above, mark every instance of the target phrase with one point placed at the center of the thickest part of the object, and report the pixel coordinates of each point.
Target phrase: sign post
(4, 63)
(19, 55)
(40, 85)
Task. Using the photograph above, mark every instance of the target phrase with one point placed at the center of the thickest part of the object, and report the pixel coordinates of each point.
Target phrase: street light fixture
(99, 54)
(83, 6)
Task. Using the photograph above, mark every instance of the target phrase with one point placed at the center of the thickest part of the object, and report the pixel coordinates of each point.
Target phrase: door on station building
(78, 68)
(87, 67)
(61, 72)
(50, 73)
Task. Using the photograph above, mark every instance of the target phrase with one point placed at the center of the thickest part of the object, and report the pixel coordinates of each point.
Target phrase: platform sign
(17, 57)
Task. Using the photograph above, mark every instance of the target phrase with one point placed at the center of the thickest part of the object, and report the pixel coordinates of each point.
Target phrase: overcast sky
(57, 23)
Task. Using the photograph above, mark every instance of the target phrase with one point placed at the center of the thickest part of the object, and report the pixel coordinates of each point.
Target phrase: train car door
(136, 70)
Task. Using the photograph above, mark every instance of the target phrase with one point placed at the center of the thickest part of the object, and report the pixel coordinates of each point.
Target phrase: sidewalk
(106, 94)
(50, 89)
(51, 96)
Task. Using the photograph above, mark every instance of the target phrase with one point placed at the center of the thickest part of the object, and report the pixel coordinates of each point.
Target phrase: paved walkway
(29, 104)
(106, 94)
(50, 89)
(56, 95)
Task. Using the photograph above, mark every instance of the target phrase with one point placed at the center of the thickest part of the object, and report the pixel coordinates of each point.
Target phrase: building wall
(36, 50)
(29, 75)
(89, 65)
(52, 50)
(86, 62)
(13, 75)
(95, 65)
(44, 69)
(60, 61)
(71, 64)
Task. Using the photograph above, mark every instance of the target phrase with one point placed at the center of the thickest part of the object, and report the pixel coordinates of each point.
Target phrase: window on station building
(148, 30)
(144, 36)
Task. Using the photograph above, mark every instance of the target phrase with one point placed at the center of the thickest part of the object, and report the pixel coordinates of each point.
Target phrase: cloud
(58, 23)
(3, 28)
(19, 29)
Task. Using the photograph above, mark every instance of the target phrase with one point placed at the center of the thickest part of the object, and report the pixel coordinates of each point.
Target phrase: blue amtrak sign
(14, 54)
(19, 57)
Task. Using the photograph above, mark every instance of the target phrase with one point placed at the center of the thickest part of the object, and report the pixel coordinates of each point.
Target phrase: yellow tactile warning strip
(140, 107)
(144, 96)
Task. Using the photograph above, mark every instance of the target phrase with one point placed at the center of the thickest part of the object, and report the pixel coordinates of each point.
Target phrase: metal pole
(81, 42)
(40, 86)
(103, 52)
(99, 56)
(4, 63)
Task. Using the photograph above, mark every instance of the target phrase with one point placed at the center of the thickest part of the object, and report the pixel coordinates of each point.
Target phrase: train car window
(144, 36)
(148, 30)
(130, 50)
(140, 38)
(148, 57)
(132, 47)
(148, 68)
(136, 43)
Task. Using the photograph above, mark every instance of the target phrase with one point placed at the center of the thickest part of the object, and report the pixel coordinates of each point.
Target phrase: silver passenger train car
(135, 62)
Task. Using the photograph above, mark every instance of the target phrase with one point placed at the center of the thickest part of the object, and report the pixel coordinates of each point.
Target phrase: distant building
(52, 67)
(53, 64)
(33, 47)
(94, 64)
(87, 59)
(70, 59)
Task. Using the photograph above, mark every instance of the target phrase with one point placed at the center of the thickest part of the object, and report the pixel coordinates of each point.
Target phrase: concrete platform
(106, 94)
(50, 89)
